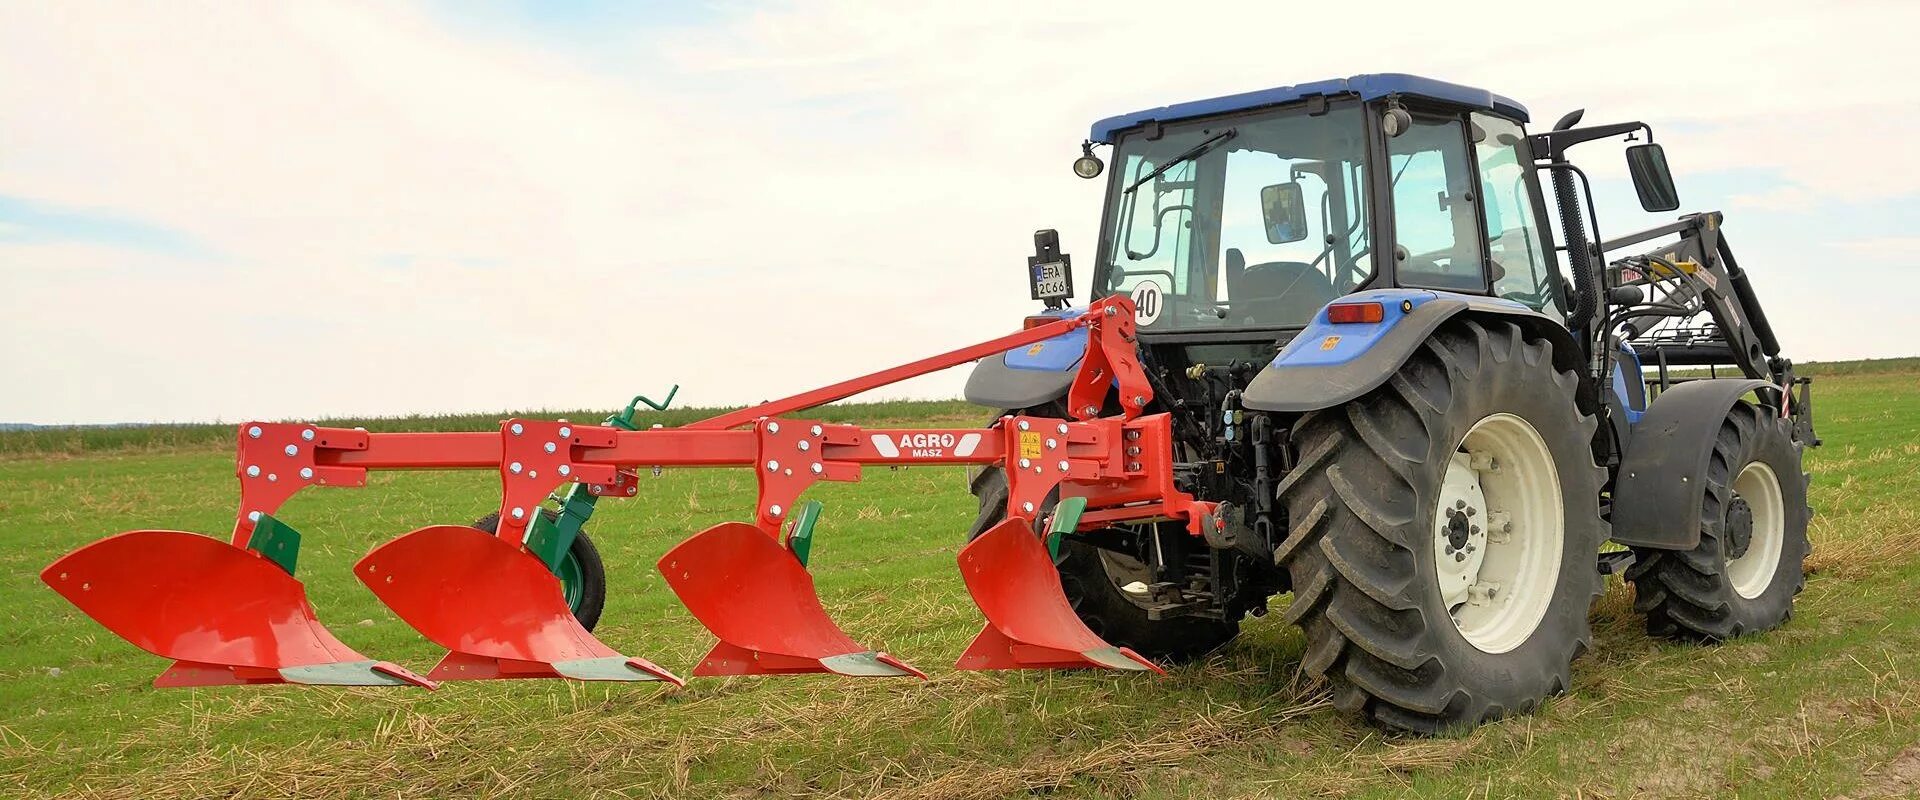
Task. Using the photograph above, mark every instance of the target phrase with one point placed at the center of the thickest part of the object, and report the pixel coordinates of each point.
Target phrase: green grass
(1828, 705)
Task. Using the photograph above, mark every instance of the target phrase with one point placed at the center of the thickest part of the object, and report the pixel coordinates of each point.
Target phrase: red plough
(233, 612)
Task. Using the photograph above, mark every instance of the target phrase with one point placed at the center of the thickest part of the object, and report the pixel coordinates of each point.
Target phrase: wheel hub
(1459, 546)
(1739, 527)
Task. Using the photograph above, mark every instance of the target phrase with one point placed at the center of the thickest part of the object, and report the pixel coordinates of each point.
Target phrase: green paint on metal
(275, 540)
(1066, 519)
(624, 418)
(800, 536)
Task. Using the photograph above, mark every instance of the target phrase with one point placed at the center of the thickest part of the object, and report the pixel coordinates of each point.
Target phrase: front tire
(1423, 618)
(1748, 566)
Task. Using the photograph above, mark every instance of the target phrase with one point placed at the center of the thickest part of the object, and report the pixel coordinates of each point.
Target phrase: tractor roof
(1368, 87)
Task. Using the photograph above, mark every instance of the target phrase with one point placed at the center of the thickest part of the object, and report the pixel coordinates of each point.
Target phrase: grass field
(1827, 706)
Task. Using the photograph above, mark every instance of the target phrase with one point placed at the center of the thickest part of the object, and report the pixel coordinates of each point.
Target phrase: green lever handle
(624, 419)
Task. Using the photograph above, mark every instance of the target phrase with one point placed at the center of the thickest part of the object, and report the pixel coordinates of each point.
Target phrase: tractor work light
(1353, 313)
(1088, 165)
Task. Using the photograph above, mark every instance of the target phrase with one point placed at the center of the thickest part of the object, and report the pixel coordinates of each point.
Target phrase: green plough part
(1065, 520)
(277, 541)
(800, 535)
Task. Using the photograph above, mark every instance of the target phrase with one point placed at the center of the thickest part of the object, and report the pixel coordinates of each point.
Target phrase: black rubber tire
(593, 572)
(1361, 502)
(1094, 597)
(1687, 594)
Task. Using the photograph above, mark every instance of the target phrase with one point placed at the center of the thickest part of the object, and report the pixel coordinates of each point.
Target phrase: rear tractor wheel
(583, 578)
(1441, 535)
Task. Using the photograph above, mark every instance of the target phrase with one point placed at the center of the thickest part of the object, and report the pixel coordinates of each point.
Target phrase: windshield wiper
(1190, 153)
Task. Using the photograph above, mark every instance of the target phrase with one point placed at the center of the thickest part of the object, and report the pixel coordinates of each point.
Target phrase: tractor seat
(1280, 293)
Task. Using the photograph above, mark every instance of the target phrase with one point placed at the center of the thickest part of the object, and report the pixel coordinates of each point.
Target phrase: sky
(230, 211)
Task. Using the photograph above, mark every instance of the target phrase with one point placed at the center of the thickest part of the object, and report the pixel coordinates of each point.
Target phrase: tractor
(1329, 350)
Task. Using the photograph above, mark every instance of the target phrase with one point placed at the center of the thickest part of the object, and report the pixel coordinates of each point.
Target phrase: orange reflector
(1348, 313)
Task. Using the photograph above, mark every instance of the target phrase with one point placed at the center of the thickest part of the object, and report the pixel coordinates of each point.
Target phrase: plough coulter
(1333, 347)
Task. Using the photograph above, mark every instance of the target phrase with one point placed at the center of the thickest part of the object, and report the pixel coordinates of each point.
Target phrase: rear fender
(1029, 376)
(1329, 364)
(1662, 480)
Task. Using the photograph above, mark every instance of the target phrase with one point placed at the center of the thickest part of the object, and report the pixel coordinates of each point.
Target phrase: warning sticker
(1030, 444)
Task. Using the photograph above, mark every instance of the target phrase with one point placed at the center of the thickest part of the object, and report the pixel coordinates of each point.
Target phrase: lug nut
(1459, 556)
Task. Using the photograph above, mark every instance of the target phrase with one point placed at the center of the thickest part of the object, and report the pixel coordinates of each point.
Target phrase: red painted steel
(497, 610)
(500, 612)
(1029, 623)
(755, 597)
(228, 615)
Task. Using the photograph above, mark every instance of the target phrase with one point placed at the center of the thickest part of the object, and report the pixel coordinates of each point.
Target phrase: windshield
(1259, 225)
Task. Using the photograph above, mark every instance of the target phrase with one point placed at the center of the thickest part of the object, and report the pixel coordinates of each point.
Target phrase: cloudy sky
(237, 210)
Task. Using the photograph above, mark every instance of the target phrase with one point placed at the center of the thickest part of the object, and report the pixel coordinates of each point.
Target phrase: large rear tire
(1423, 618)
(583, 577)
(1748, 567)
(1092, 579)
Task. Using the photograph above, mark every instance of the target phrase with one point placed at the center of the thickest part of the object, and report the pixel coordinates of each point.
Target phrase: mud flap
(1030, 625)
(496, 608)
(756, 597)
(226, 615)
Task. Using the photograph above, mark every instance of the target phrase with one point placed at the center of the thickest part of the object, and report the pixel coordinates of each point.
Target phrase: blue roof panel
(1367, 87)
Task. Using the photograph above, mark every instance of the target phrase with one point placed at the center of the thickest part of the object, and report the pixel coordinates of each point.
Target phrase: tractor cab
(1237, 219)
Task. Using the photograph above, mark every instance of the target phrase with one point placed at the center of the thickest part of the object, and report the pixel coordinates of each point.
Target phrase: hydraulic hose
(1586, 280)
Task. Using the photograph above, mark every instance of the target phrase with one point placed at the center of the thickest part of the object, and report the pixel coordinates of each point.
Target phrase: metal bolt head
(806, 445)
(519, 513)
(1062, 429)
(1027, 507)
(1025, 463)
(773, 427)
(273, 477)
(550, 447)
(817, 469)
(773, 466)
(515, 467)
(565, 470)
(253, 516)
(293, 450)
(254, 432)
(306, 473)
(565, 431)
(307, 434)
(1133, 466)
(1092, 410)
(517, 429)
(1459, 504)
(253, 471)
(1459, 555)
(774, 511)
(1110, 312)
(1139, 400)
(817, 430)
(1023, 424)
(1052, 443)
(1063, 466)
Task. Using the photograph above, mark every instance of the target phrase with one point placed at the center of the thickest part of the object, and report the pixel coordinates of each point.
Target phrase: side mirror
(1651, 178)
(1283, 210)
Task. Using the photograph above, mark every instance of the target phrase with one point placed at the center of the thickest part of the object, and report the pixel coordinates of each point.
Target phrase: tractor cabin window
(1518, 255)
(1436, 231)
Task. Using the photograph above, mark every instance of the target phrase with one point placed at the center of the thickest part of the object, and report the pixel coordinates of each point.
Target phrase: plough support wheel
(755, 596)
(496, 608)
(226, 615)
(1029, 622)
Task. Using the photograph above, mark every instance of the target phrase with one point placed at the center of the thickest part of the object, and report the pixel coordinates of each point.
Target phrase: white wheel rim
(1752, 572)
(1498, 555)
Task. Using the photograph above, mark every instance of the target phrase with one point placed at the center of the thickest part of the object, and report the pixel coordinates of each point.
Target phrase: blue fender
(1328, 364)
(1030, 376)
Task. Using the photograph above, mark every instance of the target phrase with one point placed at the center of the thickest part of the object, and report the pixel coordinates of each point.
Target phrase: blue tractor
(1423, 410)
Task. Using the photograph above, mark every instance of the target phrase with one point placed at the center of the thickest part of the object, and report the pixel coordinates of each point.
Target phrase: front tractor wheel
(1743, 575)
(1442, 531)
